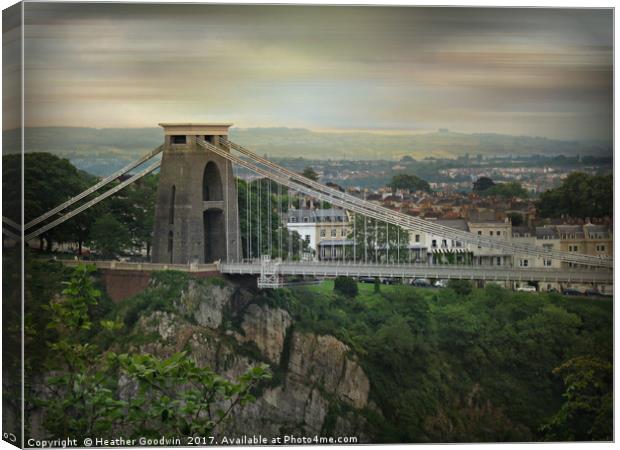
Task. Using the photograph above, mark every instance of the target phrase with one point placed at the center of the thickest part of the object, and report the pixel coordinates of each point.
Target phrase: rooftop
(186, 128)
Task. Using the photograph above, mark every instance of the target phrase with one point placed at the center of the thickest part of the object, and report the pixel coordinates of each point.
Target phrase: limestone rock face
(267, 328)
(324, 360)
(205, 303)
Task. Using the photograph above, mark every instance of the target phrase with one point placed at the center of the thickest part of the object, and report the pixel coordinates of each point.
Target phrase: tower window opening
(178, 139)
(172, 200)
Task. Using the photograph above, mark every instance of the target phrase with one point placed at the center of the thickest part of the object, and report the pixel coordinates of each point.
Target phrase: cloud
(522, 71)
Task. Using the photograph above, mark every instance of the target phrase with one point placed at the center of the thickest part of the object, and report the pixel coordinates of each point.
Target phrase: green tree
(134, 207)
(255, 209)
(580, 195)
(506, 190)
(408, 182)
(48, 182)
(482, 184)
(79, 400)
(461, 287)
(376, 240)
(109, 235)
(310, 173)
(587, 412)
(160, 407)
(346, 286)
(377, 285)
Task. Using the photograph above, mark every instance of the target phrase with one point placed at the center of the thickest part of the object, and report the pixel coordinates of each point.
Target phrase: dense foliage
(49, 181)
(506, 190)
(474, 365)
(346, 286)
(580, 195)
(409, 182)
(482, 184)
(310, 173)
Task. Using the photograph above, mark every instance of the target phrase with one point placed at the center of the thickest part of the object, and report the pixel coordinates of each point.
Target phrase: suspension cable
(409, 222)
(415, 223)
(96, 187)
(269, 216)
(93, 202)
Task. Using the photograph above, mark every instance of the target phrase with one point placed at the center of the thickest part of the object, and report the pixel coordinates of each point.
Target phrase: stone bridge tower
(196, 215)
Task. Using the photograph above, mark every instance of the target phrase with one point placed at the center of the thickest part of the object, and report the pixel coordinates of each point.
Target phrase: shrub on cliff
(345, 286)
(461, 287)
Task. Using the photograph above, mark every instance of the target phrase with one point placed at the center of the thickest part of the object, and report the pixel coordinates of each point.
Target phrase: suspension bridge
(202, 221)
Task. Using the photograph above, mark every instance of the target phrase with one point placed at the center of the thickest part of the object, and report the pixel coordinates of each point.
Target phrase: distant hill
(97, 150)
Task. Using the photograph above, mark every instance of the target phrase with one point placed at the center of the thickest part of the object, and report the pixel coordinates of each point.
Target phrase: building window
(479, 233)
(444, 243)
(306, 219)
(417, 238)
(434, 243)
(323, 233)
(343, 232)
(498, 260)
(178, 139)
(333, 232)
(600, 248)
(547, 263)
(524, 263)
(308, 238)
(491, 233)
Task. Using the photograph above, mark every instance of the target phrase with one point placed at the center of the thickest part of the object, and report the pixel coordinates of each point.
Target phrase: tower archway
(211, 183)
(213, 218)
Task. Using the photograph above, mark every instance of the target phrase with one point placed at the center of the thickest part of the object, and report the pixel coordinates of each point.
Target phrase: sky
(536, 72)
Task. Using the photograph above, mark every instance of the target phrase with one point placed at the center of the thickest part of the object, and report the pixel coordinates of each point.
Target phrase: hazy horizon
(516, 71)
(385, 132)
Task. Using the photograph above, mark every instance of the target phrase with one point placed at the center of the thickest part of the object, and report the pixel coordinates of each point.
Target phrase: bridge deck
(427, 271)
(327, 269)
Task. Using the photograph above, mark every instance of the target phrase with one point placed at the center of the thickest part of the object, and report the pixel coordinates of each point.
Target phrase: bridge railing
(146, 266)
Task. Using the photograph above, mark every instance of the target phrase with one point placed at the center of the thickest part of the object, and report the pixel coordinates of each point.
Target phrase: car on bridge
(366, 279)
(526, 288)
(421, 282)
(391, 280)
(571, 291)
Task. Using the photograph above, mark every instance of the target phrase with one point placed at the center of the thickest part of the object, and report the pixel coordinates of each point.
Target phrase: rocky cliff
(318, 388)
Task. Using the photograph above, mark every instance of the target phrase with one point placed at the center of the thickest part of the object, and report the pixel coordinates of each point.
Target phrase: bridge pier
(196, 215)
